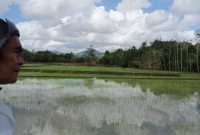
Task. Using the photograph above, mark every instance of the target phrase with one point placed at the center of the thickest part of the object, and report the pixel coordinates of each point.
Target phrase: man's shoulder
(7, 121)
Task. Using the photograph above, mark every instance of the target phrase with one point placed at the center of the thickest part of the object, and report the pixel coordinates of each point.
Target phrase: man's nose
(21, 61)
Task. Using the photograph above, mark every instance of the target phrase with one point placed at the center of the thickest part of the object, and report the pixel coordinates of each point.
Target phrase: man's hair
(7, 29)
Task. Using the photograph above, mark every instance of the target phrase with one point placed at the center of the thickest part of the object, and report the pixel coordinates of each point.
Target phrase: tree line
(162, 55)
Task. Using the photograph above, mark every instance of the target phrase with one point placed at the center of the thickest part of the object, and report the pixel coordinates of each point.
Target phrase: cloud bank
(65, 25)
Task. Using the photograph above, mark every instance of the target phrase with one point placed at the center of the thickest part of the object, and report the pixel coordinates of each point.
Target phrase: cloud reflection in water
(97, 107)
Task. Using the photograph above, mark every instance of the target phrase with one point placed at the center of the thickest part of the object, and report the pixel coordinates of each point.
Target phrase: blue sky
(13, 14)
(72, 26)
(159, 4)
(110, 4)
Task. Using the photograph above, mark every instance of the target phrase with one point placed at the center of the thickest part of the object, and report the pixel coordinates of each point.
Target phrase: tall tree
(90, 56)
(187, 57)
(197, 34)
(177, 56)
(181, 57)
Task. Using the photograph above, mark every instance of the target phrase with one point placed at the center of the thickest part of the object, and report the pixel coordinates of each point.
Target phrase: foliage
(46, 56)
(90, 57)
(163, 55)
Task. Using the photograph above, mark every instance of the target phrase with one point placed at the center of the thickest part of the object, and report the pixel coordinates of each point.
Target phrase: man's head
(10, 49)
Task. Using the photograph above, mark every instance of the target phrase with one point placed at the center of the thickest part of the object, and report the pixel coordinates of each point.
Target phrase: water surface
(99, 107)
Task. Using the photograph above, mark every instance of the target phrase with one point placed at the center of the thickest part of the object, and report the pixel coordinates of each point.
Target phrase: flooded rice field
(98, 107)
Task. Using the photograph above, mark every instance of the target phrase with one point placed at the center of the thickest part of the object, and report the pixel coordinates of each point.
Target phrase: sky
(73, 25)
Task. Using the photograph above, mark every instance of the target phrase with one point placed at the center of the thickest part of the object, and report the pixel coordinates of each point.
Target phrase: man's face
(10, 60)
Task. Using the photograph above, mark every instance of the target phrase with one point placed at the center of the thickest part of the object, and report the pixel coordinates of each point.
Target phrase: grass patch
(77, 72)
(79, 68)
(70, 71)
(158, 74)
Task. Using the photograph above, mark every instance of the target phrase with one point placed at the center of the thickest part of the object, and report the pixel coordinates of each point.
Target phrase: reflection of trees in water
(178, 88)
(198, 107)
(198, 104)
(89, 82)
(157, 130)
(107, 129)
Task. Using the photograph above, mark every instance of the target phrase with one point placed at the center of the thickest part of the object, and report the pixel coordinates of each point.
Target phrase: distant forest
(162, 55)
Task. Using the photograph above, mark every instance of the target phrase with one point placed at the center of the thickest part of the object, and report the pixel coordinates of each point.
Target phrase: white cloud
(186, 36)
(32, 30)
(98, 1)
(116, 16)
(186, 6)
(189, 13)
(50, 11)
(189, 20)
(161, 20)
(130, 5)
(4, 6)
(101, 21)
(156, 18)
